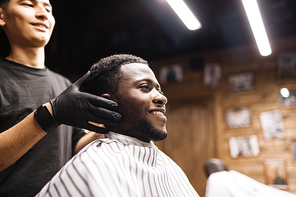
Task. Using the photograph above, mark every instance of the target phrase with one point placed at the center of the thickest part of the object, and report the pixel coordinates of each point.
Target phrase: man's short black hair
(105, 75)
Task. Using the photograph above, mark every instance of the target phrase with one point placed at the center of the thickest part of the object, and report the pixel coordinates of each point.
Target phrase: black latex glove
(75, 108)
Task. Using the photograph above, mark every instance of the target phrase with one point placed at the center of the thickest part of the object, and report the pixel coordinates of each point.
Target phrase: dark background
(88, 30)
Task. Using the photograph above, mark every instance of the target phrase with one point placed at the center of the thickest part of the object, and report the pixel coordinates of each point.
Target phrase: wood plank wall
(235, 60)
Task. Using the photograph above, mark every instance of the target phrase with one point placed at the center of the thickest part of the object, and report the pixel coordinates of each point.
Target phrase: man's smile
(159, 112)
(40, 25)
(156, 112)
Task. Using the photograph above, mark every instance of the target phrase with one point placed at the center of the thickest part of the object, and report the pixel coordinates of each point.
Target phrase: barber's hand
(75, 108)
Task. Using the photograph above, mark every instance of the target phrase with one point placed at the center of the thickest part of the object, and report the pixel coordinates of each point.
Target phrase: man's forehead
(136, 69)
(135, 65)
(138, 72)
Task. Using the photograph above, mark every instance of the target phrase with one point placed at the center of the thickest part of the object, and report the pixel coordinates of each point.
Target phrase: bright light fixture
(257, 26)
(285, 92)
(185, 14)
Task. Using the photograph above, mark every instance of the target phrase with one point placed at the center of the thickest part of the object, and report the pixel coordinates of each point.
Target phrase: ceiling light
(257, 26)
(285, 92)
(185, 14)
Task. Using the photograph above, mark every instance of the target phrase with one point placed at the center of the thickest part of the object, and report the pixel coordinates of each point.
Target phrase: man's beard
(140, 128)
(147, 130)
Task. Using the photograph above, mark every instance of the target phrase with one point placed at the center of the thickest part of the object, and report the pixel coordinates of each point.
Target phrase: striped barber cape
(119, 165)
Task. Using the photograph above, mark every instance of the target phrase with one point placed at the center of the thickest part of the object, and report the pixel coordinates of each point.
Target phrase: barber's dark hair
(5, 46)
(105, 75)
(3, 3)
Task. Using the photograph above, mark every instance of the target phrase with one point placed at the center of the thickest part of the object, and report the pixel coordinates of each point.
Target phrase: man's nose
(41, 12)
(159, 98)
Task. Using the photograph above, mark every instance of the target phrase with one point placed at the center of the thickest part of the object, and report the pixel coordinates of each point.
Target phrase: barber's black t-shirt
(22, 90)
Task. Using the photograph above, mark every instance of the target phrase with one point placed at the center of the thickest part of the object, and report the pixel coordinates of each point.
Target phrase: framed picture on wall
(276, 173)
(238, 117)
(287, 64)
(244, 146)
(212, 75)
(286, 96)
(272, 124)
(172, 73)
(293, 152)
(241, 82)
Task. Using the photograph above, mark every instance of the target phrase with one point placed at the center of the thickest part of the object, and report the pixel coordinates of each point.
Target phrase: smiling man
(126, 162)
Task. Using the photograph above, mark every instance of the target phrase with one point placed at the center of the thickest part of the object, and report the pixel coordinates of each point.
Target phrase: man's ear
(109, 96)
(2, 21)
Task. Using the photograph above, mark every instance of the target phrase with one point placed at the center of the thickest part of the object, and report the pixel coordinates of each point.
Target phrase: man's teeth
(40, 26)
(156, 112)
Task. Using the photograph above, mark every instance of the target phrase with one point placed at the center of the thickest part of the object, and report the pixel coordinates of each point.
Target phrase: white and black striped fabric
(234, 184)
(120, 166)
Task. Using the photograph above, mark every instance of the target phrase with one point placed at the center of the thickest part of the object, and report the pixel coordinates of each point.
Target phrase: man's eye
(48, 9)
(145, 87)
(27, 4)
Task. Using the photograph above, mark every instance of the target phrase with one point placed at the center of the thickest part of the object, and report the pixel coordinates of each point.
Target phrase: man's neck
(128, 140)
(31, 57)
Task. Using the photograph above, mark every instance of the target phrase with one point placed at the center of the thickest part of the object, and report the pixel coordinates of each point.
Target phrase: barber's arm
(17, 140)
(72, 107)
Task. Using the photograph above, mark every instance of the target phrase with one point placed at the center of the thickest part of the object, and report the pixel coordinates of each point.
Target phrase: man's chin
(160, 137)
(150, 132)
(158, 134)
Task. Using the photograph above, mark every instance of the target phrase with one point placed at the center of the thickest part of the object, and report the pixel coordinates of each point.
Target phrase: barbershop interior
(229, 73)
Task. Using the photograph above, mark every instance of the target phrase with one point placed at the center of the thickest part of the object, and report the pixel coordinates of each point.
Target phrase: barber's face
(141, 104)
(27, 22)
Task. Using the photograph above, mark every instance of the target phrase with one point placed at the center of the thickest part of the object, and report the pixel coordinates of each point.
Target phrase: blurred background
(86, 31)
(221, 91)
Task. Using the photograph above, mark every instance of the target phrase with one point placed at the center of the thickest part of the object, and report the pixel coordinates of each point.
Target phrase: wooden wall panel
(189, 119)
(260, 100)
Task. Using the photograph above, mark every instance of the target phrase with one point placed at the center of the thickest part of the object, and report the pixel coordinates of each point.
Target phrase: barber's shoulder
(59, 78)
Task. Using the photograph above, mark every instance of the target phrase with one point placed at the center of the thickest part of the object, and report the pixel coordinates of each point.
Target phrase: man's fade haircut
(105, 75)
